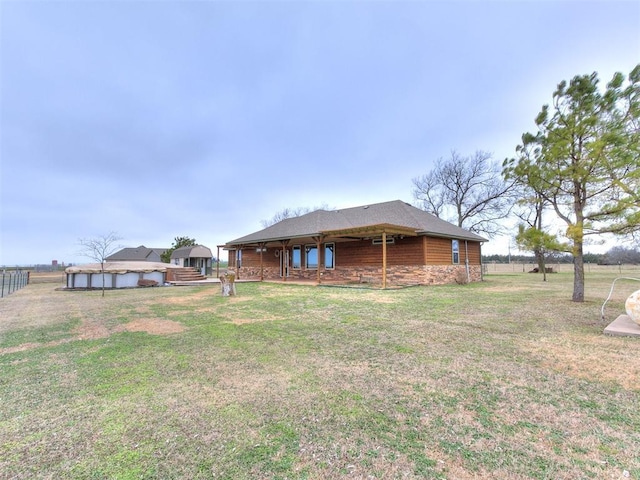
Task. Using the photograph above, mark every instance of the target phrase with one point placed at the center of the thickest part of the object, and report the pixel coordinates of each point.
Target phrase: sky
(161, 119)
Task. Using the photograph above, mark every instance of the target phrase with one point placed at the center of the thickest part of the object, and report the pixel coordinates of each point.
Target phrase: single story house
(385, 243)
(196, 256)
(137, 254)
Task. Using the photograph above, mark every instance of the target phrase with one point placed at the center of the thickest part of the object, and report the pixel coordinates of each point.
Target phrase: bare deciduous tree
(99, 248)
(530, 206)
(468, 191)
(290, 213)
(620, 255)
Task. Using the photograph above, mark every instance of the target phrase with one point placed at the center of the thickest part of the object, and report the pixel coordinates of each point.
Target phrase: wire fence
(522, 267)
(12, 281)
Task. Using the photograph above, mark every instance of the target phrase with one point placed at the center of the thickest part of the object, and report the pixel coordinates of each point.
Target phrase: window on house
(296, 260)
(311, 256)
(239, 258)
(455, 251)
(329, 249)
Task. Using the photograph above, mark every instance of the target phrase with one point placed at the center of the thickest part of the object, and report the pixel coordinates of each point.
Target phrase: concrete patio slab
(623, 326)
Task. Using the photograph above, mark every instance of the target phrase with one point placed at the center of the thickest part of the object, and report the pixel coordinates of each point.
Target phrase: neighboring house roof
(389, 216)
(195, 251)
(140, 253)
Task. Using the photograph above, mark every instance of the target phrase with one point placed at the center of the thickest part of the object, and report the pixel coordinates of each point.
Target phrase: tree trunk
(537, 252)
(543, 267)
(102, 268)
(578, 273)
(577, 234)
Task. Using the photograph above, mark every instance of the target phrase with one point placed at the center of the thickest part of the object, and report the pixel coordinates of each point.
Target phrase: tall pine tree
(586, 160)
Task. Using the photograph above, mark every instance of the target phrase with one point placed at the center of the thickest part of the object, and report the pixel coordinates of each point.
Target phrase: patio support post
(283, 261)
(318, 243)
(261, 246)
(218, 263)
(384, 259)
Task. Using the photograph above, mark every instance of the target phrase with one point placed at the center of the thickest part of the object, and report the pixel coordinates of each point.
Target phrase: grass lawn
(504, 379)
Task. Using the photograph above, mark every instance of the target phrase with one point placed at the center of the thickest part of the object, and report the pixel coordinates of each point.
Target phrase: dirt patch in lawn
(152, 326)
(191, 298)
(244, 321)
(90, 330)
(96, 329)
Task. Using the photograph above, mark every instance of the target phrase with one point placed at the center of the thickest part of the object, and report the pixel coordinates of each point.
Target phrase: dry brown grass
(31, 308)
(601, 358)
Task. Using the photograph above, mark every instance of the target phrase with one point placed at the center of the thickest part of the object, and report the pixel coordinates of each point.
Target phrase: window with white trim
(329, 250)
(311, 257)
(296, 257)
(455, 252)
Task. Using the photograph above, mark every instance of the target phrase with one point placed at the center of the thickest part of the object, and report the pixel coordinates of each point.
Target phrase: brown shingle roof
(396, 213)
(140, 253)
(193, 251)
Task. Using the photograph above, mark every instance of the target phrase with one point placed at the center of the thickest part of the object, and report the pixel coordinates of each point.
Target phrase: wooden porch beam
(283, 260)
(261, 247)
(372, 230)
(318, 245)
(384, 259)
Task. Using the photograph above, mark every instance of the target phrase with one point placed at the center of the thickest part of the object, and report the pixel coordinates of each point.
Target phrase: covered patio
(382, 231)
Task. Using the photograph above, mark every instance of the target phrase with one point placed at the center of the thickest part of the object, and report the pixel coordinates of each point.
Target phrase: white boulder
(632, 306)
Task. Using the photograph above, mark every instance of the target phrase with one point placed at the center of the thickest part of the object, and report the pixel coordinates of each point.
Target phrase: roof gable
(395, 213)
(192, 251)
(140, 253)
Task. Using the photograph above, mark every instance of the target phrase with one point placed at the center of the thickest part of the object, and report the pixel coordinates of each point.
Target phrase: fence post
(2, 291)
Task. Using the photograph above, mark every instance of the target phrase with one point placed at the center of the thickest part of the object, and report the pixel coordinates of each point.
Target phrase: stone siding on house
(398, 275)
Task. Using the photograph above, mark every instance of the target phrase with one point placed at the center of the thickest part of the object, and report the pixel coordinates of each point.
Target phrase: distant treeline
(35, 267)
(615, 256)
(558, 258)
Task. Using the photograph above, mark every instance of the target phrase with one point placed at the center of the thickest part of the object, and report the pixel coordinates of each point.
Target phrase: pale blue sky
(157, 119)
